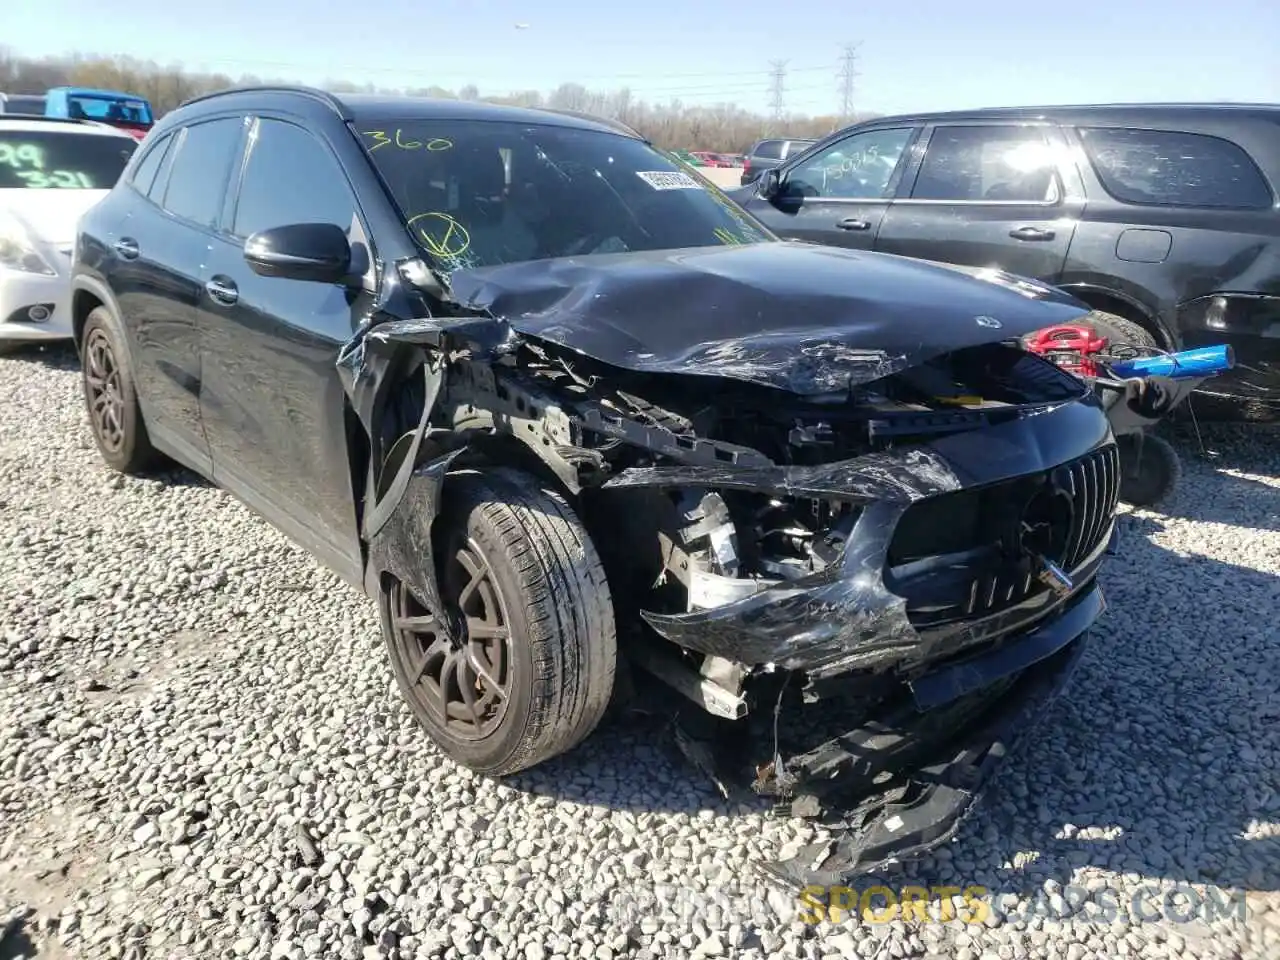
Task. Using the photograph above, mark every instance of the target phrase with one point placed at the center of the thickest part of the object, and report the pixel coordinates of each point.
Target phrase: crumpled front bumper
(863, 612)
(932, 784)
(918, 678)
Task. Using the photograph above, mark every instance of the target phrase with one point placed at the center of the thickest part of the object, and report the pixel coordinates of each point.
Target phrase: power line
(436, 71)
(778, 70)
(846, 77)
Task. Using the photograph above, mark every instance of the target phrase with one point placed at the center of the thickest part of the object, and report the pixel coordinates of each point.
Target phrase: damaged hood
(800, 317)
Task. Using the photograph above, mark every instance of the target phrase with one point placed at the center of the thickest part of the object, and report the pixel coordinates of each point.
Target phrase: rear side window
(1168, 168)
(198, 178)
(987, 164)
(769, 149)
(145, 175)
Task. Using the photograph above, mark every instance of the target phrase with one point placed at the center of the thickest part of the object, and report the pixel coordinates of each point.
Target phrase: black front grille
(1094, 484)
(986, 576)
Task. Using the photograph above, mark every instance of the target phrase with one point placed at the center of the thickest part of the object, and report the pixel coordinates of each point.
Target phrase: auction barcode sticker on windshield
(668, 180)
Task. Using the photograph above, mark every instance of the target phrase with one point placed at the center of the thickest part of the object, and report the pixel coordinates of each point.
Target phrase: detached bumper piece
(901, 785)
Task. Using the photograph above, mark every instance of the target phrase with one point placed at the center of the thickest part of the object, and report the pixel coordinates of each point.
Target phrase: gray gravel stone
(200, 732)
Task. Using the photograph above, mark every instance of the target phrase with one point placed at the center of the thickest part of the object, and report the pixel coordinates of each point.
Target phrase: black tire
(111, 399)
(546, 580)
(1150, 469)
(1126, 337)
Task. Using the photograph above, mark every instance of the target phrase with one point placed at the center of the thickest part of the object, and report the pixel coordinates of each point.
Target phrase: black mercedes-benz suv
(1163, 214)
(566, 412)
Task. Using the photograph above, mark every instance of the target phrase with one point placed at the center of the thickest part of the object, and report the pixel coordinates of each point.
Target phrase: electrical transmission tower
(846, 78)
(778, 72)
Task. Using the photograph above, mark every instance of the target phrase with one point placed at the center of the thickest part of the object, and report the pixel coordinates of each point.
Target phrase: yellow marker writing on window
(21, 156)
(406, 145)
(441, 234)
(382, 139)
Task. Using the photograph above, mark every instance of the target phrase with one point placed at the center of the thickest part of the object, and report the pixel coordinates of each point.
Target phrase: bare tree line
(722, 127)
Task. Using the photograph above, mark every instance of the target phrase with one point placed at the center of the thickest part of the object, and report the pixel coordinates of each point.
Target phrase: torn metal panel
(899, 477)
(402, 545)
(810, 320)
(848, 617)
(365, 360)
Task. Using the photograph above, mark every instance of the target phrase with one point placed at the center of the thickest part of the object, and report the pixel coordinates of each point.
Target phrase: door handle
(1031, 233)
(127, 247)
(222, 290)
(853, 223)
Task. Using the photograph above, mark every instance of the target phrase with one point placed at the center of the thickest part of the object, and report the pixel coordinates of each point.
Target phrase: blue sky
(912, 54)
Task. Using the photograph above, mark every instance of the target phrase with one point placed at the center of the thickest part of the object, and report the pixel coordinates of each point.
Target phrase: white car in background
(51, 171)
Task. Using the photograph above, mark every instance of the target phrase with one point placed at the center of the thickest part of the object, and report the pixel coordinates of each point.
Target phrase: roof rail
(323, 96)
(606, 121)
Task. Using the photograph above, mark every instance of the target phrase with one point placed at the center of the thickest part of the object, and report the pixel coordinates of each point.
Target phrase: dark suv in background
(1164, 214)
(767, 154)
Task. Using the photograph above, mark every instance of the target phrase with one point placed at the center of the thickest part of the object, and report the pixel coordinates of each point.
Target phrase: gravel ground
(202, 755)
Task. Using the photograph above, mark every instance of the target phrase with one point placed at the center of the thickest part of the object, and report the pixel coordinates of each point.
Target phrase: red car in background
(708, 158)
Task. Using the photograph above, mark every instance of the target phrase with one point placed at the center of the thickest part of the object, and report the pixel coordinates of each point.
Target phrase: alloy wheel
(106, 394)
(462, 681)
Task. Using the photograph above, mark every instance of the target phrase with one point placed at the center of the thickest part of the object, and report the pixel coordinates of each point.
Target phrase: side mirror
(770, 183)
(318, 252)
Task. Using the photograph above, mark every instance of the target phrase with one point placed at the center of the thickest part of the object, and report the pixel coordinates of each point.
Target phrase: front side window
(1168, 168)
(291, 177)
(859, 167)
(198, 172)
(478, 193)
(976, 164)
(62, 159)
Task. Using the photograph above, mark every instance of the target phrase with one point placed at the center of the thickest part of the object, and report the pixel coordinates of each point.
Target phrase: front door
(839, 195)
(988, 195)
(273, 406)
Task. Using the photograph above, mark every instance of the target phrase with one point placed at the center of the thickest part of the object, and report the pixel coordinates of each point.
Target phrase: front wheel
(1126, 338)
(530, 667)
(1149, 469)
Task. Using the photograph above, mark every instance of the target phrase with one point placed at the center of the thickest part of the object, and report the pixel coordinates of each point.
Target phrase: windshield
(45, 159)
(479, 193)
(108, 109)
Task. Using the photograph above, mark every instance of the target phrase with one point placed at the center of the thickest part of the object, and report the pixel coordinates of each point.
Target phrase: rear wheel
(529, 668)
(111, 398)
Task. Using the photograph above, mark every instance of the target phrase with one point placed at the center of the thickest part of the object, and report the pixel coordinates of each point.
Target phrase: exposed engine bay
(718, 544)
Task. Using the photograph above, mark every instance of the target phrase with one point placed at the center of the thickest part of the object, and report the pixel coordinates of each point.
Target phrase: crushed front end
(869, 637)
(862, 574)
